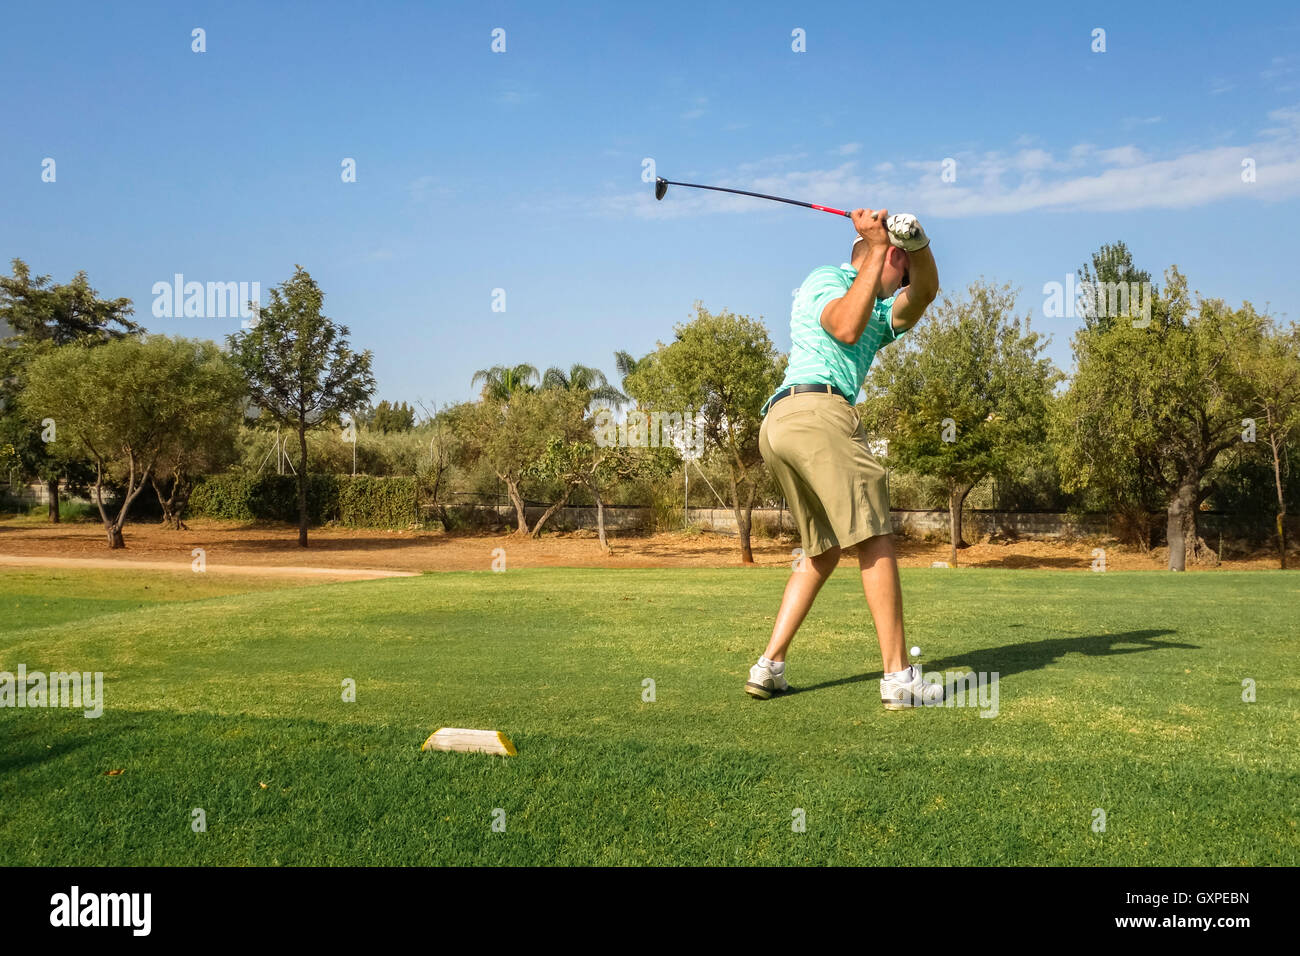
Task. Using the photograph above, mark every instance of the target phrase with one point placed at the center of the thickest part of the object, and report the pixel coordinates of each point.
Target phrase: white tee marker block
(470, 741)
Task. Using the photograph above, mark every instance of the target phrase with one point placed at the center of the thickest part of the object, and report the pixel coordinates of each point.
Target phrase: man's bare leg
(880, 584)
(800, 591)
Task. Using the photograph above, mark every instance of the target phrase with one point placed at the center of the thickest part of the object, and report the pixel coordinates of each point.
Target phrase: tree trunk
(1198, 551)
(546, 515)
(749, 527)
(99, 503)
(1281, 501)
(521, 519)
(52, 489)
(132, 491)
(302, 483)
(173, 505)
(600, 520)
(443, 515)
(744, 515)
(956, 501)
(1182, 523)
(744, 520)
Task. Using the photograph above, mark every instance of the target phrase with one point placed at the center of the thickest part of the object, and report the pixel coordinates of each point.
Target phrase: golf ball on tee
(916, 652)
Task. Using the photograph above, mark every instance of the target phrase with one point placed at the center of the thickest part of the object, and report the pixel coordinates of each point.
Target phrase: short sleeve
(883, 313)
(822, 286)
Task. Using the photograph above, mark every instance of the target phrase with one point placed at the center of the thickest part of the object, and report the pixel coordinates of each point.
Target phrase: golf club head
(661, 187)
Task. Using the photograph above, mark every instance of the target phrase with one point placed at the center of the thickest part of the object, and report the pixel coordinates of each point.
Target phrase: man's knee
(877, 546)
(824, 563)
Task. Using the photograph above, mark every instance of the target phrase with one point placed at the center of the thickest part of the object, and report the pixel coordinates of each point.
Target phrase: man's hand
(905, 232)
(871, 226)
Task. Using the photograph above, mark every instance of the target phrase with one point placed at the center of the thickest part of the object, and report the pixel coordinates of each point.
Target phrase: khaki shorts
(815, 445)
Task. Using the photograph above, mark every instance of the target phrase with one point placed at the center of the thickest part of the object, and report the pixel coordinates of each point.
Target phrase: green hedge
(369, 502)
(362, 501)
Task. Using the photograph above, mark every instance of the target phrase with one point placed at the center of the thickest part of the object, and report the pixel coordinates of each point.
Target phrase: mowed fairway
(1119, 692)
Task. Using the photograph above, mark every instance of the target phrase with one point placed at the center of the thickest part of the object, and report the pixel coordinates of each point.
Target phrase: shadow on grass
(27, 746)
(1021, 561)
(1032, 655)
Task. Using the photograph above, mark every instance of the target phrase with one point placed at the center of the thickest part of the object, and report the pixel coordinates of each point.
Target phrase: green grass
(1119, 691)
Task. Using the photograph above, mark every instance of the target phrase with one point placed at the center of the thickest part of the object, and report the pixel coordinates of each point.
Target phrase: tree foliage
(722, 367)
(128, 403)
(300, 369)
(964, 395)
(1150, 409)
(41, 316)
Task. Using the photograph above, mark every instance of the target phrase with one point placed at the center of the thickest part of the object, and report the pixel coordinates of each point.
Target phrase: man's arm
(846, 318)
(923, 286)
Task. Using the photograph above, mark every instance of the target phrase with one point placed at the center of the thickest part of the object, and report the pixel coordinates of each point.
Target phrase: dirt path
(327, 574)
(353, 554)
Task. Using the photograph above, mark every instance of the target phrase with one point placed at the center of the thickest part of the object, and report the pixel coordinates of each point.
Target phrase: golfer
(813, 440)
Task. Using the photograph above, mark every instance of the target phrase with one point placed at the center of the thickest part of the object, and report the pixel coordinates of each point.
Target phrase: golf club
(661, 187)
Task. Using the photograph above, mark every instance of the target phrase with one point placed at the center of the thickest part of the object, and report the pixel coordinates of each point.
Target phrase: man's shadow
(1033, 655)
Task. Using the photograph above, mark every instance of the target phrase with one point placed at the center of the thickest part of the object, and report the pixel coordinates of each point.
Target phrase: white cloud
(426, 189)
(1121, 156)
(1032, 160)
(515, 97)
(1079, 178)
(698, 109)
(848, 149)
(1278, 66)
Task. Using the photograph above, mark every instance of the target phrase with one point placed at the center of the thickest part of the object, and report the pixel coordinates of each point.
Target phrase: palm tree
(625, 364)
(502, 381)
(582, 380)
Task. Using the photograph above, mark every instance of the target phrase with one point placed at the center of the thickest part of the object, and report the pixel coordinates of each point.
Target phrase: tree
(590, 383)
(1112, 278)
(1156, 406)
(964, 396)
(722, 367)
(511, 437)
(626, 364)
(300, 368)
(502, 382)
(596, 467)
(445, 431)
(392, 418)
(1270, 368)
(68, 314)
(205, 440)
(125, 402)
(41, 316)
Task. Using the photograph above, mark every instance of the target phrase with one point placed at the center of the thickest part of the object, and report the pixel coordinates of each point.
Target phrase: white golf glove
(906, 233)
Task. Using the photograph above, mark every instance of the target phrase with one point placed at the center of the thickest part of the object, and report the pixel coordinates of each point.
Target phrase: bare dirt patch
(232, 545)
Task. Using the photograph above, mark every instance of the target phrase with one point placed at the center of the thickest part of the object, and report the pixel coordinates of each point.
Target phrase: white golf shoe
(898, 695)
(762, 683)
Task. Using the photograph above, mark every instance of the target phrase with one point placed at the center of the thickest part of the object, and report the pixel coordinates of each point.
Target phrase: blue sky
(522, 170)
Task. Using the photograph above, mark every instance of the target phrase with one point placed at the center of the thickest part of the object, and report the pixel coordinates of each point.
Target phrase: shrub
(363, 501)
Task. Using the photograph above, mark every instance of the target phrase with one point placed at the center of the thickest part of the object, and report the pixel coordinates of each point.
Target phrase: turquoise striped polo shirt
(816, 356)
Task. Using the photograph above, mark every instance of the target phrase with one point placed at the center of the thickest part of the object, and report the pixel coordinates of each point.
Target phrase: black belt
(796, 389)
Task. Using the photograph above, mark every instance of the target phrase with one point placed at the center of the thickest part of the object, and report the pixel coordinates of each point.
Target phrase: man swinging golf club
(813, 440)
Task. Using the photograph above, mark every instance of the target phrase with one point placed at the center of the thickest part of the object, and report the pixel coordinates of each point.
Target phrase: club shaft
(742, 192)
